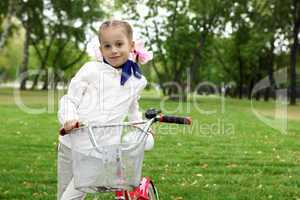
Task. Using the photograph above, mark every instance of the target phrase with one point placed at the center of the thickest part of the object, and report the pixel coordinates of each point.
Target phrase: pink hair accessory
(140, 54)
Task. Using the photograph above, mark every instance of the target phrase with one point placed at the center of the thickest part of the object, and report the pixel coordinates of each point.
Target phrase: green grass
(226, 155)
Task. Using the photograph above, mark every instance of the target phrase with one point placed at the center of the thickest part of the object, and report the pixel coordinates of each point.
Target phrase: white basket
(110, 159)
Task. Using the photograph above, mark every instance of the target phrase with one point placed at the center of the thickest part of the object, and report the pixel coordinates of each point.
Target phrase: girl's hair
(115, 23)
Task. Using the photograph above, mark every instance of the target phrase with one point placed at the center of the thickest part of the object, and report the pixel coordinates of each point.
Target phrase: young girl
(105, 91)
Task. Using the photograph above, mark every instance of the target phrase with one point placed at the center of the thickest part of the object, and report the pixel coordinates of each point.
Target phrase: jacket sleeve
(70, 102)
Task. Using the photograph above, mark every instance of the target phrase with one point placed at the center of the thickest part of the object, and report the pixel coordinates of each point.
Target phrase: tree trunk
(8, 23)
(23, 74)
(36, 78)
(258, 93)
(56, 79)
(240, 86)
(46, 79)
(196, 60)
(270, 66)
(294, 50)
(259, 74)
(257, 96)
(267, 94)
(44, 58)
(159, 75)
(251, 87)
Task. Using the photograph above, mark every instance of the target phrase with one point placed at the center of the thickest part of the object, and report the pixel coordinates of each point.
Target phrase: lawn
(228, 154)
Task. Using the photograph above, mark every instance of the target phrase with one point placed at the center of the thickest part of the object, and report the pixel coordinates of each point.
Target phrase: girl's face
(115, 45)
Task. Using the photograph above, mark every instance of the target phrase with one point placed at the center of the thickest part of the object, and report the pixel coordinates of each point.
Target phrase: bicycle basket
(107, 158)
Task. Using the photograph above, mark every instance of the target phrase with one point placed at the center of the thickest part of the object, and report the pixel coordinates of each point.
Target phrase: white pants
(65, 185)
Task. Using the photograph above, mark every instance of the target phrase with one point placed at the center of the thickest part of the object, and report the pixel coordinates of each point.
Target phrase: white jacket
(95, 94)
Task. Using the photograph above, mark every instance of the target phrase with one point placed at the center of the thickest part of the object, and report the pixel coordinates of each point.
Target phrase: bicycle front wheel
(152, 192)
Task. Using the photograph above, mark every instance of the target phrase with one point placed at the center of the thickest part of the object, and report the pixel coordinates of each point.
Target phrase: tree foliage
(52, 25)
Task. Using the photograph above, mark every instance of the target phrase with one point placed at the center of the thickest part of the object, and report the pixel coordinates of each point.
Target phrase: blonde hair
(115, 23)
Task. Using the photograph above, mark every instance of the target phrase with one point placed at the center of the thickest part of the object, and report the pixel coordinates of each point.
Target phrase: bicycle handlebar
(175, 119)
(161, 118)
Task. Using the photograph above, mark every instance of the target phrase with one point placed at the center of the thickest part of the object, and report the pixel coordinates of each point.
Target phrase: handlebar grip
(175, 119)
(63, 132)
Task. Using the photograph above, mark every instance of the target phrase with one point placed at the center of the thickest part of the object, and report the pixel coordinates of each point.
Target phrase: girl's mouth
(114, 57)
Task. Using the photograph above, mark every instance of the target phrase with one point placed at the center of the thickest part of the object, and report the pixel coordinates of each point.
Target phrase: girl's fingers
(70, 125)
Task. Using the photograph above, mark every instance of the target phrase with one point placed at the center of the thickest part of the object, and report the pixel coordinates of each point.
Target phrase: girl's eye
(119, 44)
(107, 46)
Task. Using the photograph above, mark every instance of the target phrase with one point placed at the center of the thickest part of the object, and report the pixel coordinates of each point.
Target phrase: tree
(47, 21)
(177, 31)
(30, 13)
(68, 23)
(195, 29)
(257, 26)
(295, 10)
(279, 18)
(8, 8)
(11, 56)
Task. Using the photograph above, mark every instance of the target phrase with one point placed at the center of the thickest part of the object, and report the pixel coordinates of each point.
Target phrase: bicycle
(117, 165)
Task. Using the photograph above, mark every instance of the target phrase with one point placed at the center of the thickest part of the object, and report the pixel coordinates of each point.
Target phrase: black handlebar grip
(175, 120)
(151, 113)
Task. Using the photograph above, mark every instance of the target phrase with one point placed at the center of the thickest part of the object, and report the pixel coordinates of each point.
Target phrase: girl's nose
(114, 49)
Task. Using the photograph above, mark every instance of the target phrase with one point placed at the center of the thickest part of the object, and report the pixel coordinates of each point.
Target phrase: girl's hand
(69, 125)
